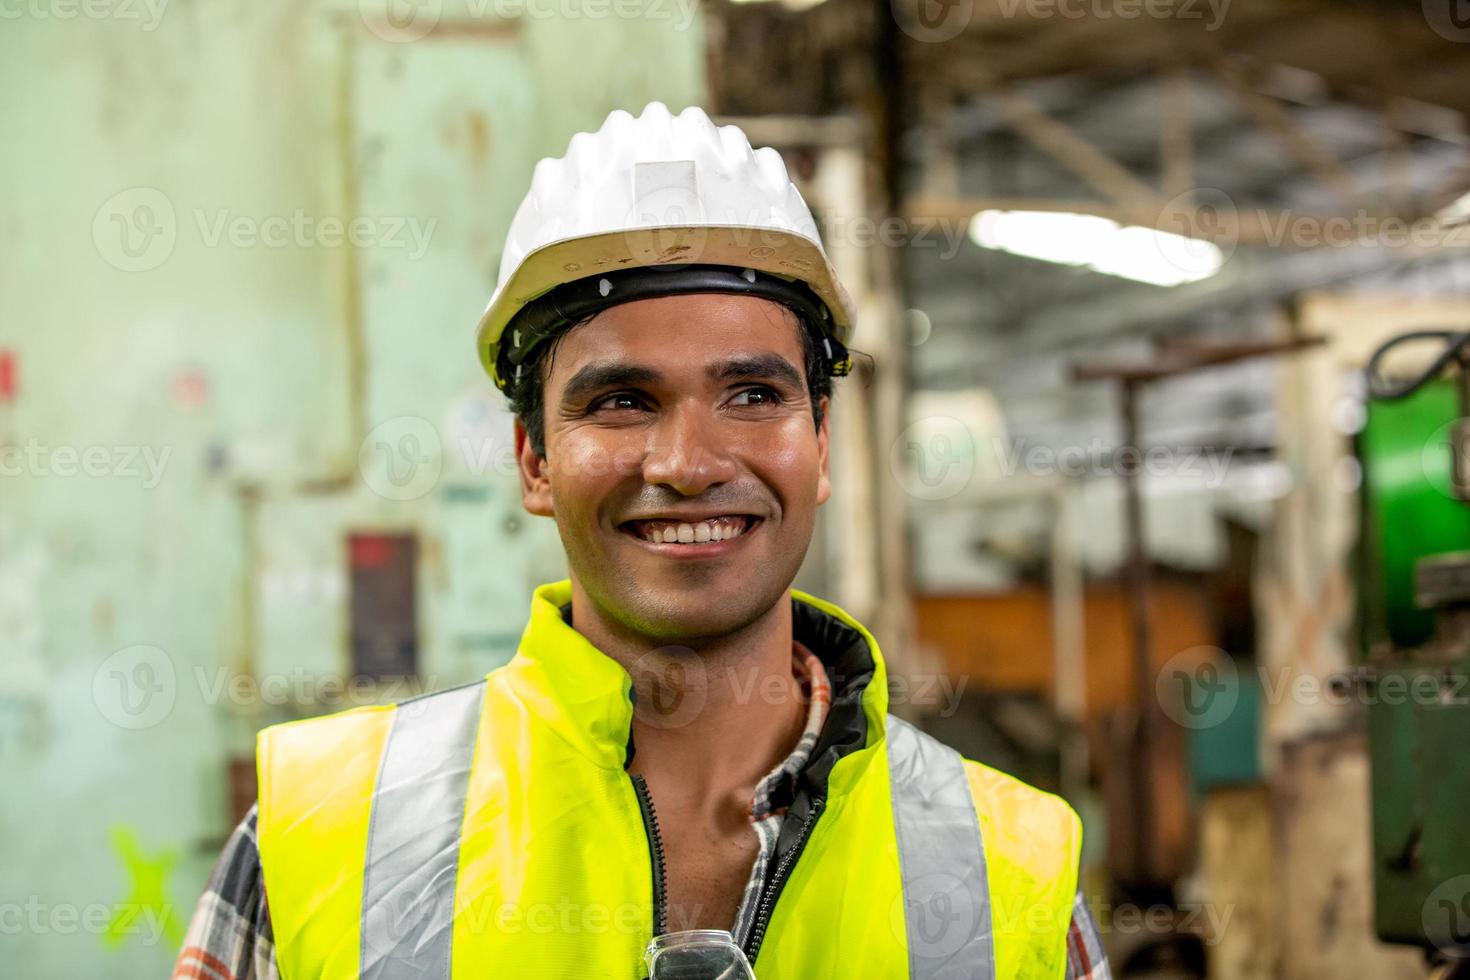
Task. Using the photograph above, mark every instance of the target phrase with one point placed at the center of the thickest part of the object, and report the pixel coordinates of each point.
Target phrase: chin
(682, 602)
(674, 609)
(687, 616)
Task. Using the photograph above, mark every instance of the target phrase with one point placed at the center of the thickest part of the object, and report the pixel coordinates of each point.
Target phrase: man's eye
(618, 400)
(756, 396)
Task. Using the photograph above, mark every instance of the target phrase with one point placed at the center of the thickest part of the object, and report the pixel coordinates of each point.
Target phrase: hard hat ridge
(659, 191)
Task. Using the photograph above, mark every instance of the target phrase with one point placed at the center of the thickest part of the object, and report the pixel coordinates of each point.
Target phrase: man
(682, 742)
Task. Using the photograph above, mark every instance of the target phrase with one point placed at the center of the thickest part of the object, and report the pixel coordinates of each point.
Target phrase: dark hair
(527, 399)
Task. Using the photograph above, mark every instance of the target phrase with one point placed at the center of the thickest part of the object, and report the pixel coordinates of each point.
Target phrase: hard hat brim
(768, 250)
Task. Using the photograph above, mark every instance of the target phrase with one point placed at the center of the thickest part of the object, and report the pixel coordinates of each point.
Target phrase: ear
(535, 475)
(824, 477)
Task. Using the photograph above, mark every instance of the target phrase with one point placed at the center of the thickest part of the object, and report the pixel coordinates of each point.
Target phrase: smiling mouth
(692, 533)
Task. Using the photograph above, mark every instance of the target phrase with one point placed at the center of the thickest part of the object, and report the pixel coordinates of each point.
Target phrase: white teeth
(703, 532)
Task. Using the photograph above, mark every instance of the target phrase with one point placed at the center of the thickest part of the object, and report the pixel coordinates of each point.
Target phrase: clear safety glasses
(697, 954)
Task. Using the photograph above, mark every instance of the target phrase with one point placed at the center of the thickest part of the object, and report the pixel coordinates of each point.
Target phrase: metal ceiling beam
(1064, 145)
(1271, 116)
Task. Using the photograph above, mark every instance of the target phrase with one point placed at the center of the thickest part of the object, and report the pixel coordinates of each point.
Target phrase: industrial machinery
(1414, 673)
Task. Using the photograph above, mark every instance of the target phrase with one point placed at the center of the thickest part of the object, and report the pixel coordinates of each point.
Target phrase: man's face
(678, 417)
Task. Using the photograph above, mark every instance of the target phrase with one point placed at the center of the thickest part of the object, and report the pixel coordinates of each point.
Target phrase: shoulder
(357, 731)
(323, 733)
(231, 925)
(237, 879)
(325, 769)
(1034, 832)
(1032, 838)
(1002, 798)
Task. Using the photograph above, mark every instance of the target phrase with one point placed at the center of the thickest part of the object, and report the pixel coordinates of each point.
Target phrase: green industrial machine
(1414, 676)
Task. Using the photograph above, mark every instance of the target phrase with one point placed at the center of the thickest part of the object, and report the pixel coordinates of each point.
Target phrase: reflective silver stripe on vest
(946, 899)
(413, 836)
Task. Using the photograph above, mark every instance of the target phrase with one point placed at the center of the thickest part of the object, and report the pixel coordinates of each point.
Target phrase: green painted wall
(211, 388)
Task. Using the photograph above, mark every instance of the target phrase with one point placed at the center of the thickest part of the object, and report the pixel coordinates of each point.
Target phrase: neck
(712, 716)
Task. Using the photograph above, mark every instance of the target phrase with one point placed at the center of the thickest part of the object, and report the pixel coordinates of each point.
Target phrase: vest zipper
(778, 881)
(655, 851)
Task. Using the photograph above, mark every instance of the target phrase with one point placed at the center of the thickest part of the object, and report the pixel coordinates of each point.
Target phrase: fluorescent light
(1100, 244)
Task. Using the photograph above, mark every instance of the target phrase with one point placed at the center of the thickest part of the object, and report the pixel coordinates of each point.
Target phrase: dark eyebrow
(599, 375)
(772, 367)
(606, 374)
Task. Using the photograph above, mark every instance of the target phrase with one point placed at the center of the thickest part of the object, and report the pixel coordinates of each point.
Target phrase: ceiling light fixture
(1159, 258)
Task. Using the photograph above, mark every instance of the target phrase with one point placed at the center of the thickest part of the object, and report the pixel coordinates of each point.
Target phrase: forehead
(682, 333)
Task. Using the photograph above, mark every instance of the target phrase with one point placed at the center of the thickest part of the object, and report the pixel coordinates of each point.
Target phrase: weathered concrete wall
(212, 378)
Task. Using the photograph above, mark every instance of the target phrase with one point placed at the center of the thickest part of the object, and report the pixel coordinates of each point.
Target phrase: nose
(686, 453)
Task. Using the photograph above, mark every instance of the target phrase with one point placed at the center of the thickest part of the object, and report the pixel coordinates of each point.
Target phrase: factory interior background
(1111, 484)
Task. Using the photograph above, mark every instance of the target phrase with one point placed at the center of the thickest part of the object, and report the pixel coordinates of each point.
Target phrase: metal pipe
(1138, 583)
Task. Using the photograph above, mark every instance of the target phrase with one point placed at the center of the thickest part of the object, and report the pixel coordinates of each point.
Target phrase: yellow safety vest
(492, 830)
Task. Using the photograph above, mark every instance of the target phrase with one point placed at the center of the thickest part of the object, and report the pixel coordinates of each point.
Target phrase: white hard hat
(650, 206)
